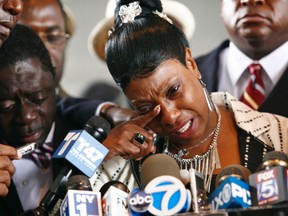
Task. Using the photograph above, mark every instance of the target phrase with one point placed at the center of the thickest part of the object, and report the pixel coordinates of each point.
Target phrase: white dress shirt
(32, 182)
(233, 74)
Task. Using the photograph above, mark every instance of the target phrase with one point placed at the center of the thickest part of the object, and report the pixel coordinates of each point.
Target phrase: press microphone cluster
(236, 187)
(163, 193)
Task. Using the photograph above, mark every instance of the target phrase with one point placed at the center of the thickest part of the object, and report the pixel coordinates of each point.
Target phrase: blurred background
(83, 69)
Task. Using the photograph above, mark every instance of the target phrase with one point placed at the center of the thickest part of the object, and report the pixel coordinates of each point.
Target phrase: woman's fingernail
(157, 108)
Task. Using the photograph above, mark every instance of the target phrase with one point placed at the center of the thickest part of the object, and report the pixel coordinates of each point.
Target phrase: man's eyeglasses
(54, 38)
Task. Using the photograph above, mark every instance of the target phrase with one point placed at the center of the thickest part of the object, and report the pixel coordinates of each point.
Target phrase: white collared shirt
(233, 63)
(32, 182)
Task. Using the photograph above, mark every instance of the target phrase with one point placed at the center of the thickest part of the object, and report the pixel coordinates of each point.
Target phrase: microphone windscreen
(272, 159)
(97, 127)
(79, 182)
(157, 165)
(275, 155)
(235, 170)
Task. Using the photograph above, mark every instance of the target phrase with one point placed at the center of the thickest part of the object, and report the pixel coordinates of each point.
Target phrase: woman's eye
(172, 91)
(144, 110)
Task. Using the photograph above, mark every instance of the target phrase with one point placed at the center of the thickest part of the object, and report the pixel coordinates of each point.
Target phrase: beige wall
(81, 68)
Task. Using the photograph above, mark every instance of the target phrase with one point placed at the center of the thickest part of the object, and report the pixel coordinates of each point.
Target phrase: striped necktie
(42, 155)
(254, 93)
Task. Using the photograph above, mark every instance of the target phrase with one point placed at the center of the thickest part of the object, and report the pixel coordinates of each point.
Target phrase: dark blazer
(71, 113)
(276, 102)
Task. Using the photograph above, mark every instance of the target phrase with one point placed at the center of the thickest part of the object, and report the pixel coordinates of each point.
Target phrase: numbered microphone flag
(81, 203)
(82, 151)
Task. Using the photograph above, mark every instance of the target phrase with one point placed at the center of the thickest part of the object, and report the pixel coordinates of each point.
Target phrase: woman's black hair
(24, 43)
(136, 48)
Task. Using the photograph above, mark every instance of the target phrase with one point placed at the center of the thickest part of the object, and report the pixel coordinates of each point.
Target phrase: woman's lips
(185, 127)
(185, 131)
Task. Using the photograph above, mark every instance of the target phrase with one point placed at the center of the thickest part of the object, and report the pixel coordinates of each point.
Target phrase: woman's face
(184, 113)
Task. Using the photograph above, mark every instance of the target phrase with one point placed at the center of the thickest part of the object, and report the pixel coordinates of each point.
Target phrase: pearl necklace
(206, 163)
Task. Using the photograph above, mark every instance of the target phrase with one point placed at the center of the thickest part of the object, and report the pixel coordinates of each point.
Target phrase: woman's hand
(7, 169)
(120, 140)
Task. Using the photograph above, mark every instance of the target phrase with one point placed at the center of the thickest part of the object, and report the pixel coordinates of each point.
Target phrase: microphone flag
(82, 151)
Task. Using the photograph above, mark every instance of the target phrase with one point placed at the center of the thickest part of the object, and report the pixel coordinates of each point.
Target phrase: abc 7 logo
(169, 195)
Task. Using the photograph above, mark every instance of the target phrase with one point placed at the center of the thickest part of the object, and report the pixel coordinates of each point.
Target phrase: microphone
(80, 199)
(76, 182)
(77, 152)
(74, 159)
(269, 183)
(79, 182)
(162, 192)
(232, 189)
(115, 199)
(81, 150)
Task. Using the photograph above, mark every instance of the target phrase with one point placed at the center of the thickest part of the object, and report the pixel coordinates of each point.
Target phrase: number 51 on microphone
(81, 203)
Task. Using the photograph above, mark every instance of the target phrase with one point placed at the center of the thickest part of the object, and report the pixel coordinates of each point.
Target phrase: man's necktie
(254, 93)
(42, 155)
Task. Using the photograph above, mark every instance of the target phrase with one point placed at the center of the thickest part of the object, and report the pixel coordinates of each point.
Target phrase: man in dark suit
(9, 14)
(27, 114)
(258, 33)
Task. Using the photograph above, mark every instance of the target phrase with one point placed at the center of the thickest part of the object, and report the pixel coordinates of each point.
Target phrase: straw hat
(178, 12)
(69, 20)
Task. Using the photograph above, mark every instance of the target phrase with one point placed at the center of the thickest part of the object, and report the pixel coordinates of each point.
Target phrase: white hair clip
(163, 16)
(128, 14)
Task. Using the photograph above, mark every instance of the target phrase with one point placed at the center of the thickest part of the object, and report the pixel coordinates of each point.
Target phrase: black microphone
(80, 199)
(98, 128)
(75, 182)
(87, 154)
(269, 183)
(79, 182)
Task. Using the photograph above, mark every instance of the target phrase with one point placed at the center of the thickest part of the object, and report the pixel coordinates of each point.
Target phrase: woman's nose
(14, 7)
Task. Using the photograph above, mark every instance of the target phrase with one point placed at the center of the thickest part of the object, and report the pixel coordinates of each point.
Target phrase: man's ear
(191, 64)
